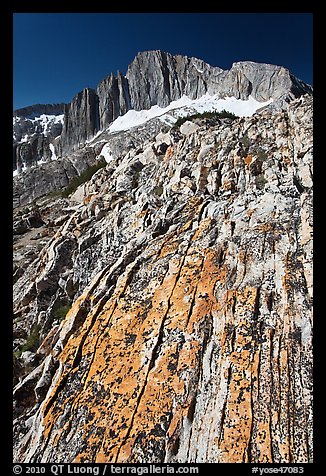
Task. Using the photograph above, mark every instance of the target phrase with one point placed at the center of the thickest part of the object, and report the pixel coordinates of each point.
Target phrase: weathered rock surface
(260, 80)
(51, 176)
(187, 267)
(54, 175)
(166, 78)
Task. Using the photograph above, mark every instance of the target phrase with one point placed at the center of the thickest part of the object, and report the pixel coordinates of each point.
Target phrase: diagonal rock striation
(187, 267)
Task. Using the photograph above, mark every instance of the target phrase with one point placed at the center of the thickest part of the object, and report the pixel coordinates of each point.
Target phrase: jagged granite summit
(163, 312)
(157, 78)
(165, 78)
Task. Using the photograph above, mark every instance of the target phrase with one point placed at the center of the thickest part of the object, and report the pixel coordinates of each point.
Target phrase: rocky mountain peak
(30, 112)
(268, 80)
(166, 78)
(253, 64)
(155, 78)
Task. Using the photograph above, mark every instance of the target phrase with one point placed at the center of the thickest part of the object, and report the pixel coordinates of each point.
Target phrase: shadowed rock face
(30, 112)
(81, 120)
(187, 263)
(50, 177)
(114, 99)
(30, 130)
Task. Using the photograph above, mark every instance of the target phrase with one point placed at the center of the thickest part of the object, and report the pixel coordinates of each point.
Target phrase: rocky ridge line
(157, 78)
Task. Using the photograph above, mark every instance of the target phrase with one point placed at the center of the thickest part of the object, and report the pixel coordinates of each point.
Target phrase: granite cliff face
(164, 311)
(114, 101)
(261, 81)
(81, 120)
(31, 112)
(166, 78)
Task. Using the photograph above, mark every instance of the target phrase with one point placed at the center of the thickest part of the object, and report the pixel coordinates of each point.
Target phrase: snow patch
(25, 138)
(199, 70)
(206, 103)
(53, 156)
(44, 121)
(95, 137)
(106, 153)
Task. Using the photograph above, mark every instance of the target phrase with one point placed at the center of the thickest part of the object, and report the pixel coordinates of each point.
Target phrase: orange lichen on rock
(165, 383)
(203, 227)
(89, 198)
(228, 185)
(237, 424)
(169, 247)
(136, 366)
(169, 153)
(47, 343)
(117, 369)
(247, 160)
(135, 363)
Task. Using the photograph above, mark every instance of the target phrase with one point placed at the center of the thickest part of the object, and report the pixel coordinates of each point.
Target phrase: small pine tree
(213, 115)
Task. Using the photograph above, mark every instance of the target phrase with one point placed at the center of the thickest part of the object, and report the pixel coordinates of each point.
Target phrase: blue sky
(56, 55)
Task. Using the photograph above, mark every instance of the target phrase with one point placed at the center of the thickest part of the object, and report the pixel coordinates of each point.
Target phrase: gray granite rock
(164, 78)
(38, 109)
(113, 99)
(157, 78)
(51, 176)
(81, 120)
